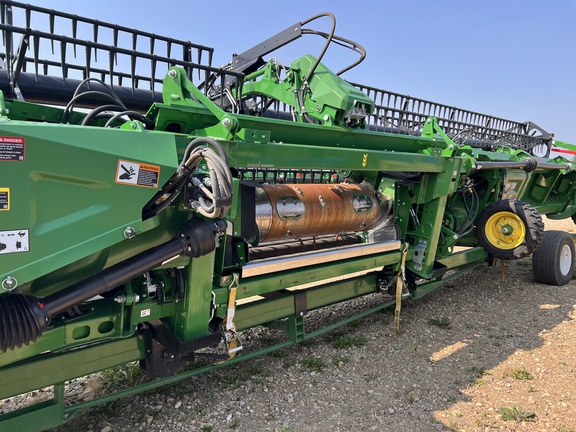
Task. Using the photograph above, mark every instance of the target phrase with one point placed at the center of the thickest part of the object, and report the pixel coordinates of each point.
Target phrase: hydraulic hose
(215, 202)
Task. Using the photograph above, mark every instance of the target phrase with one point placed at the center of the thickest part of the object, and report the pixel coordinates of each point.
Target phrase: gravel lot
(474, 353)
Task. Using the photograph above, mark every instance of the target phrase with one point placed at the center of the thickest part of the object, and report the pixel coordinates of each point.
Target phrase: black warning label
(4, 199)
(12, 148)
(137, 174)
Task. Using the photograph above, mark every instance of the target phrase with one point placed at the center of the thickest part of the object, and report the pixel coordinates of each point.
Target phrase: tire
(509, 229)
(553, 261)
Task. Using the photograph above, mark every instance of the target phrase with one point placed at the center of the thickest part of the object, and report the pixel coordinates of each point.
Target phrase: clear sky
(509, 58)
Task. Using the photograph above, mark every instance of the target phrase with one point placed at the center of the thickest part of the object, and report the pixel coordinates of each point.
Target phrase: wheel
(510, 229)
(553, 261)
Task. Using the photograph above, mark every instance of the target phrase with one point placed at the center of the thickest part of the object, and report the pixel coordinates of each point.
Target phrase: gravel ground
(480, 353)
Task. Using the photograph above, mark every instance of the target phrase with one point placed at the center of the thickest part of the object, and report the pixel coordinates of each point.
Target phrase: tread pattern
(532, 222)
(546, 259)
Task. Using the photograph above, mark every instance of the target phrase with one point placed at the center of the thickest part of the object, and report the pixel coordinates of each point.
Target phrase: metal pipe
(274, 265)
(528, 164)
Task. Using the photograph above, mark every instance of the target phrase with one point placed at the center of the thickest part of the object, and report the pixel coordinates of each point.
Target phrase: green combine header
(153, 206)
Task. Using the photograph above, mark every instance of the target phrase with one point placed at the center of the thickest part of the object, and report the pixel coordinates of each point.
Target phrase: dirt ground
(533, 386)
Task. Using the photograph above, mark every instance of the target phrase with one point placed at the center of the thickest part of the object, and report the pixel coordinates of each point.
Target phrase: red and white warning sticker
(14, 241)
(12, 149)
(137, 174)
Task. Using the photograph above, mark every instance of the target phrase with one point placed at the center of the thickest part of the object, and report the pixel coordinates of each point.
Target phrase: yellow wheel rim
(505, 230)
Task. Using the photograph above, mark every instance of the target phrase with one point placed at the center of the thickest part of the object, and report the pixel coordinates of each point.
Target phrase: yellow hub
(505, 230)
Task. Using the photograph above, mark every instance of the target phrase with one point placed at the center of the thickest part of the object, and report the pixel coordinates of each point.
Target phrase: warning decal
(12, 148)
(4, 199)
(137, 174)
(14, 241)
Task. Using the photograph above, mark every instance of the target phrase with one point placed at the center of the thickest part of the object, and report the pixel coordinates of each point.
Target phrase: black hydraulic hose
(92, 114)
(111, 95)
(68, 109)
(153, 207)
(343, 42)
(130, 113)
(305, 85)
(328, 40)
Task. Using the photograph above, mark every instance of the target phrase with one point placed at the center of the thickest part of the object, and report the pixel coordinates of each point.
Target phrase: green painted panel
(69, 194)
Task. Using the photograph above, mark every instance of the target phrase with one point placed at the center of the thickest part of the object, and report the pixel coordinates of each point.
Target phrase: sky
(514, 59)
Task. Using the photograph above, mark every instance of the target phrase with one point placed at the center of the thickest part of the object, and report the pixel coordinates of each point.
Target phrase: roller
(292, 211)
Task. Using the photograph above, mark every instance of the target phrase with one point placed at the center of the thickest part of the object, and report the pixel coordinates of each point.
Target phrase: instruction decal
(12, 149)
(4, 199)
(137, 174)
(14, 241)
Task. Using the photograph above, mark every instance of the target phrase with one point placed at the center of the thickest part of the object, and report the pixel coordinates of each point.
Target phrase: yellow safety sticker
(4, 199)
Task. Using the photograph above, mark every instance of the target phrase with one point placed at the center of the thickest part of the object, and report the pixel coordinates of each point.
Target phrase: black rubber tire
(553, 261)
(530, 219)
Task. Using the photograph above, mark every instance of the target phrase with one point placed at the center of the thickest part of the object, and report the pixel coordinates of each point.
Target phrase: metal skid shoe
(388, 286)
(167, 354)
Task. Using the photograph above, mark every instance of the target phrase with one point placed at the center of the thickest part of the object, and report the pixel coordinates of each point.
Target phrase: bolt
(226, 122)
(172, 74)
(129, 232)
(9, 283)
